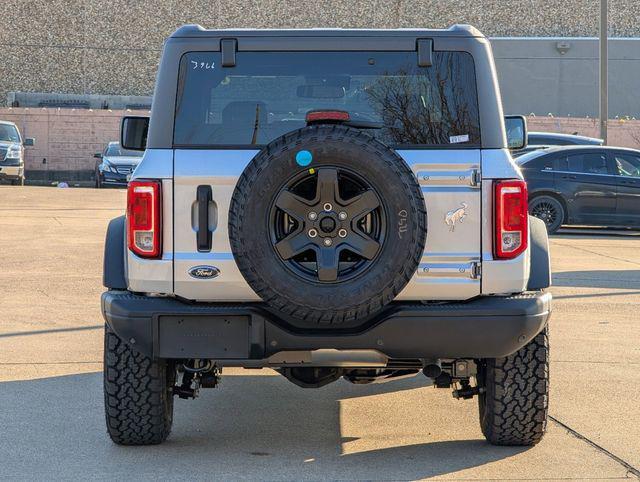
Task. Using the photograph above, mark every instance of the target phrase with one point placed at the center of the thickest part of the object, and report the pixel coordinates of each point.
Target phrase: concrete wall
(66, 140)
(113, 47)
(538, 77)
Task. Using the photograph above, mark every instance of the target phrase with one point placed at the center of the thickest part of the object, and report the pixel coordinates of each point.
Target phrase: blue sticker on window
(304, 158)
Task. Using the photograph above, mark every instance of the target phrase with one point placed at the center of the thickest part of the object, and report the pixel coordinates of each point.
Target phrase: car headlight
(14, 152)
(105, 166)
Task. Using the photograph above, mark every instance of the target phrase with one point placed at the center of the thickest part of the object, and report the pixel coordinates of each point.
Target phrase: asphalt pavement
(257, 425)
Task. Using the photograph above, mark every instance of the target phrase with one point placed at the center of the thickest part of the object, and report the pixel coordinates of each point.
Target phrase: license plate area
(203, 336)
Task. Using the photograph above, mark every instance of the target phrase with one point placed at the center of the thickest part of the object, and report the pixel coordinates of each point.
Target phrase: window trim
(587, 151)
(450, 146)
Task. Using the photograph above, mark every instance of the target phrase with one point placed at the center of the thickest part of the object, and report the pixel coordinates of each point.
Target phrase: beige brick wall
(621, 132)
(66, 138)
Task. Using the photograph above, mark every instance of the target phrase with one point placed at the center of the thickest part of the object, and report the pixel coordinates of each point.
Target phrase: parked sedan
(115, 165)
(585, 185)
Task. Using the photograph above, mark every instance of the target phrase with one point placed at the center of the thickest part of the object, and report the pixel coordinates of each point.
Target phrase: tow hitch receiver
(196, 374)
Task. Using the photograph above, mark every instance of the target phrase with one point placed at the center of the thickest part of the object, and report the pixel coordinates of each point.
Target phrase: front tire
(515, 403)
(137, 394)
(548, 209)
(98, 180)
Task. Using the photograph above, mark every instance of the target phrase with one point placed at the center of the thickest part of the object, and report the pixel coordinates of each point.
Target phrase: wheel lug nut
(327, 241)
(342, 215)
(342, 233)
(313, 215)
(312, 233)
(327, 207)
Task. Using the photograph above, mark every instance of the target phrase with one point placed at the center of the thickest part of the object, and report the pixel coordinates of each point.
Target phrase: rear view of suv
(330, 204)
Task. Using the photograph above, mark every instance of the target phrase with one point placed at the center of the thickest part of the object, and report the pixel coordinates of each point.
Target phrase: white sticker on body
(458, 139)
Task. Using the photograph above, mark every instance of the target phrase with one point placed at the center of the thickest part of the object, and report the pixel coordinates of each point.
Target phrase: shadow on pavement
(52, 330)
(615, 279)
(599, 233)
(258, 427)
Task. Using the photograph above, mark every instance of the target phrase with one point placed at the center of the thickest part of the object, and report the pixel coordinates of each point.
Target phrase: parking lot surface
(257, 425)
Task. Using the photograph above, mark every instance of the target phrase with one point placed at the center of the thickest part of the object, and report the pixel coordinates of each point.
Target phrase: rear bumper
(247, 335)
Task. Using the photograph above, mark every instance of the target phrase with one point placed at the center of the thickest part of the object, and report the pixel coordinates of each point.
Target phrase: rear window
(268, 94)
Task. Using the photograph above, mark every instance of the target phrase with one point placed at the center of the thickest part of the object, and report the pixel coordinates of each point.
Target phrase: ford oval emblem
(204, 272)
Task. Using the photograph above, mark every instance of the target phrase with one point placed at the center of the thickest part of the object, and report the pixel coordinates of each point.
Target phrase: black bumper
(245, 334)
(114, 179)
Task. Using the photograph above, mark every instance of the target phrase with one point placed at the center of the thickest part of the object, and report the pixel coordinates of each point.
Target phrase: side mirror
(133, 133)
(516, 126)
(29, 142)
(98, 155)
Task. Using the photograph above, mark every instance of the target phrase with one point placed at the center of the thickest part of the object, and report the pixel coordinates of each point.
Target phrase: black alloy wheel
(329, 225)
(549, 210)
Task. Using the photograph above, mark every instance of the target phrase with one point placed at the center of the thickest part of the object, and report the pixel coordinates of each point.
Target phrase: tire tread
(138, 406)
(514, 408)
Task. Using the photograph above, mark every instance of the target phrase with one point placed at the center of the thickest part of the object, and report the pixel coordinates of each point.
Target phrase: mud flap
(540, 275)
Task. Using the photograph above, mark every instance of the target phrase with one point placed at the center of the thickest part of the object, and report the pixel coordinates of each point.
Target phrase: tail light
(511, 218)
(144, 229)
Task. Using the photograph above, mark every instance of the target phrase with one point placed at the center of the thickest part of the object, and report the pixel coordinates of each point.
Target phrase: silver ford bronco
(329, 204)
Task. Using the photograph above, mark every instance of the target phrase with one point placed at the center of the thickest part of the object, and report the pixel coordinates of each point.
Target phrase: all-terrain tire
(137, 394)
(513, 408)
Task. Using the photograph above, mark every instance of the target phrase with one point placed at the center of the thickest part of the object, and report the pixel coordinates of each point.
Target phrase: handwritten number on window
(202, 65)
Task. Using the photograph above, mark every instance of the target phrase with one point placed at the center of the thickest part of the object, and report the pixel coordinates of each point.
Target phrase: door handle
(569, 177)
(203, 235)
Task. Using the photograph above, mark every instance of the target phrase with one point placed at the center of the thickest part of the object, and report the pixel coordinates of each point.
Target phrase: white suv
(331, 204)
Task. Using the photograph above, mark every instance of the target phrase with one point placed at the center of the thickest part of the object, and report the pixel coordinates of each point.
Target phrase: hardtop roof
(195, 31)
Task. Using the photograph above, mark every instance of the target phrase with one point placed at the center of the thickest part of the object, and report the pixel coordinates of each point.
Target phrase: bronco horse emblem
(456, 215)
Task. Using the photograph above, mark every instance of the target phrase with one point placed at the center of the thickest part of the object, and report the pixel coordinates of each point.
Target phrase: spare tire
(327, 225)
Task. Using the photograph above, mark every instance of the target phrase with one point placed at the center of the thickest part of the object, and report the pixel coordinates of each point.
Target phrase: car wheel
(514, 397)
(549, 210)
(98, 180)
(138, 395)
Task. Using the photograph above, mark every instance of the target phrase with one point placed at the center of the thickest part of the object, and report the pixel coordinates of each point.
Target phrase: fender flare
(540, 274)
(114, 268)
